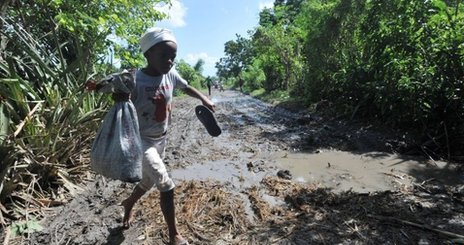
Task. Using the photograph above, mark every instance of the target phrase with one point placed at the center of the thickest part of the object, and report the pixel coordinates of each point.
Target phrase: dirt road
(234, 189)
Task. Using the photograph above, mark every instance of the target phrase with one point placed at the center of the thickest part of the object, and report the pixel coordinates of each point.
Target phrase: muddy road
(275, 176)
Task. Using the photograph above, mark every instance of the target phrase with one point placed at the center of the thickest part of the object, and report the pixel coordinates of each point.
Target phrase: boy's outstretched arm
(191, 91)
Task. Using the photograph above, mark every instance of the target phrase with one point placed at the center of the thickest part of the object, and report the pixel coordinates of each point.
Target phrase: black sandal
(207, 118)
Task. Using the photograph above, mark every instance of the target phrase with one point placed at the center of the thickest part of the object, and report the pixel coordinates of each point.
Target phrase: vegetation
(397, 62)
(192, 74)
(48, 50)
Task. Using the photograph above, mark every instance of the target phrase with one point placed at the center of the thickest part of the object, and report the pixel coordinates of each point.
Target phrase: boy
(152, 99)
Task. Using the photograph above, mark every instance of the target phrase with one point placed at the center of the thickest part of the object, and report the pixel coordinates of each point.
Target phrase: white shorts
(154, 171)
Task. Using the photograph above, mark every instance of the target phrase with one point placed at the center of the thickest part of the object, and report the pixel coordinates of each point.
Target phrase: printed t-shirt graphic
(162, 108)
(152, 98)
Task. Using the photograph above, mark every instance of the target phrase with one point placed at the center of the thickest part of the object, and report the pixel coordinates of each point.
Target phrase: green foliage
(88, 24)
(280, 55)
(49, 49)
(198, 67)
(193, 77)
(397, 61)
(405, 66)
(49, 114)
(277, 46)
(238, 55)
(253, 76)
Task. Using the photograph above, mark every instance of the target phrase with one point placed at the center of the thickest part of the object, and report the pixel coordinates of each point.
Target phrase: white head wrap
(155, 35)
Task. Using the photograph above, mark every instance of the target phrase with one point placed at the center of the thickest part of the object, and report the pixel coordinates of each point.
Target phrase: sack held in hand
(117, 150)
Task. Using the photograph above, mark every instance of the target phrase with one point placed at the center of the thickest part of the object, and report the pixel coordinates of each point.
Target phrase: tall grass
(47, 120)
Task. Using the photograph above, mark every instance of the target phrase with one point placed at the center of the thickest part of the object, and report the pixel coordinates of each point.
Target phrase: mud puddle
(363, 173)
(234, 175)
(337, 170)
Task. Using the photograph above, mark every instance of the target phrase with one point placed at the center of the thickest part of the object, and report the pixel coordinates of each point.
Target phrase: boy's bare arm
(191, 91)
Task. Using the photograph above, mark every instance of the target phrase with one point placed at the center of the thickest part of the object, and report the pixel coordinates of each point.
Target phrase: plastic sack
(117, 150)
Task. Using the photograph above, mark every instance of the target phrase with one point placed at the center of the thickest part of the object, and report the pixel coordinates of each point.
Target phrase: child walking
(152, 98)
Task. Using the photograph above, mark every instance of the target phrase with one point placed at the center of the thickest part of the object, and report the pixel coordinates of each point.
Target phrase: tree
(86, 25)
(198, 67)
(278, 44)
(189, 73)
(238, 55)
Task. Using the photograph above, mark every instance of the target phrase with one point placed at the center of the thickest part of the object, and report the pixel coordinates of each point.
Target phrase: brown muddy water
(337, 170)
(370, 172)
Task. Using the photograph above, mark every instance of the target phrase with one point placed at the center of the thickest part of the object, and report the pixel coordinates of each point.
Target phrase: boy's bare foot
(179, 240)
(128, 214)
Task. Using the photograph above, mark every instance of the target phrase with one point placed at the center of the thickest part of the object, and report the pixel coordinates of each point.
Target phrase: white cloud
(208, 67)
(176, 12)
(266, 4)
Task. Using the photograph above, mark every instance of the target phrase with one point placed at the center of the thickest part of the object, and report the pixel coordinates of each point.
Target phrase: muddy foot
(128, 214)
(179, 240)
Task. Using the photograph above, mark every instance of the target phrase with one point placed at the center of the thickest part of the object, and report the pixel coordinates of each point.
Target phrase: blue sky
(202, 27)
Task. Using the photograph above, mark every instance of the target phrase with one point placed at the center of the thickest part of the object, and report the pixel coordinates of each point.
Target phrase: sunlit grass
(47, 122)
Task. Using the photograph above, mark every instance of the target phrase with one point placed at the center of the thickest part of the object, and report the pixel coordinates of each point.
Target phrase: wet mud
(275, 176)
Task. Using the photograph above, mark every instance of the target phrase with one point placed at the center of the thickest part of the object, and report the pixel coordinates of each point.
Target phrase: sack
(117, 150)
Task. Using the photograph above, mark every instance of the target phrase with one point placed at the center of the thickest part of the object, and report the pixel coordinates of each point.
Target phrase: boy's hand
(210, 105)
(119, 97)
(90, 85)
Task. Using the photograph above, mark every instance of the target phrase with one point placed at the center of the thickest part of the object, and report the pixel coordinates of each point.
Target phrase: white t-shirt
(152, 98)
